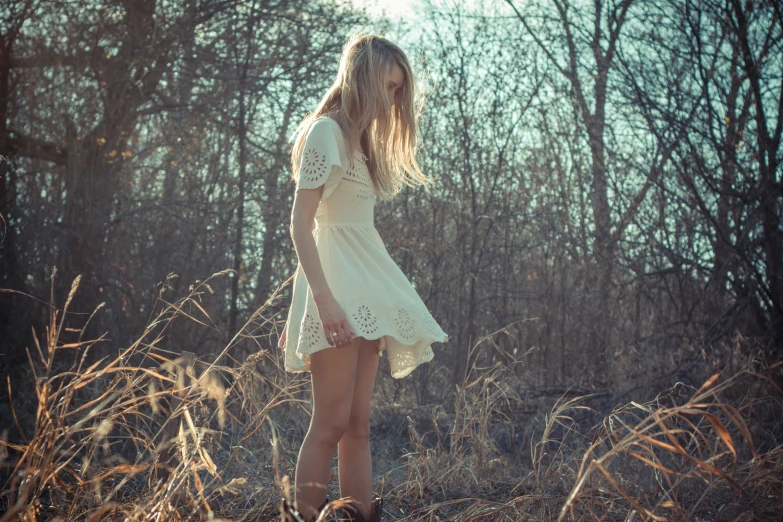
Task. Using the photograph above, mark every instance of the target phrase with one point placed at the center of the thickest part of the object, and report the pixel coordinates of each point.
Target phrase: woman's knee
(358, 426)
(329, 429)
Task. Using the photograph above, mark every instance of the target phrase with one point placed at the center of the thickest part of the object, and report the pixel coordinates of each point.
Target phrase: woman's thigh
(333, 373)
(366, 370)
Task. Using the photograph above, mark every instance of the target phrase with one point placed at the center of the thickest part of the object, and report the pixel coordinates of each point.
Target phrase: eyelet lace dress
(378, 300)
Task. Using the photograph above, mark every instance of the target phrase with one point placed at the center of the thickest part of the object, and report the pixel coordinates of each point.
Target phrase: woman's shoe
(288, 513)
(321, 508)
(376, 510)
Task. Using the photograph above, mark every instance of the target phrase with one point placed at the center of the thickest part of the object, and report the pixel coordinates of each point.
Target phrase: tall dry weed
(156, 434)
(115, 439)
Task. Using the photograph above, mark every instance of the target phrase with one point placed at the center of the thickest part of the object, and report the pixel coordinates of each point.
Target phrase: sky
(404, 15)
(393, 8)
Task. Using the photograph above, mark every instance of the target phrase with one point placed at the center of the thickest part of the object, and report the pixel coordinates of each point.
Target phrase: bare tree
(581, 43)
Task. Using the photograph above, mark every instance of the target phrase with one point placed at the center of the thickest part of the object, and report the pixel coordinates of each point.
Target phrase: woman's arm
(302, 221)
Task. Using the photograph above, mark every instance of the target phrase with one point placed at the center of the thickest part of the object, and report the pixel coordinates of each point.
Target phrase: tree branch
(31, 148)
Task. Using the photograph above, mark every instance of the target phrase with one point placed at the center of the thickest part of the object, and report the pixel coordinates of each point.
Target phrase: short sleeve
(321, 163)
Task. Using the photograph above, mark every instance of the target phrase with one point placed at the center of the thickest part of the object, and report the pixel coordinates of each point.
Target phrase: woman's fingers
(334, 334)
(341, 338)
(338, 333)
(348, 331)
(336, 328)
(328, 333)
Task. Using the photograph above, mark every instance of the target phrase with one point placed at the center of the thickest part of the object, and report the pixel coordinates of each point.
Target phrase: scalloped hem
(396, 354)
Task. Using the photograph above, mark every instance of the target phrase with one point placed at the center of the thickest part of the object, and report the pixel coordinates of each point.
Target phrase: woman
(350, 300)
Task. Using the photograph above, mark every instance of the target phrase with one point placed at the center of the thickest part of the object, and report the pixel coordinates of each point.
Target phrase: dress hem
(396, 375)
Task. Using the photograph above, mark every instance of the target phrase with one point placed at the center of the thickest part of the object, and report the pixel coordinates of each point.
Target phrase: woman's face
(394, 86)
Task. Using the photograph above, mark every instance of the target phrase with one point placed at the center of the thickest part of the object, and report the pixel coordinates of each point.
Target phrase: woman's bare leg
(354, 459)
(333, 371)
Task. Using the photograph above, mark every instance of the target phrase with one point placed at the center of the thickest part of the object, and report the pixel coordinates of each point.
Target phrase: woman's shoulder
(326, 129)
(327, 120)
(324, 123)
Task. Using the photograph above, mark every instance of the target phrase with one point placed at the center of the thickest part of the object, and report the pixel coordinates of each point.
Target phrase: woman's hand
(336, 328)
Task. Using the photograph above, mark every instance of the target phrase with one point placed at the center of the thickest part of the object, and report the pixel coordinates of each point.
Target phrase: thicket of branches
(603, 246)
(146, 434)
(609, 173)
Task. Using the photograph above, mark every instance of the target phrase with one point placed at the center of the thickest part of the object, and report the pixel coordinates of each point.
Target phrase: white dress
(378, 300)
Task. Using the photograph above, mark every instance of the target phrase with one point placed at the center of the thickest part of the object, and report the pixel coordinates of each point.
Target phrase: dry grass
(150, 434)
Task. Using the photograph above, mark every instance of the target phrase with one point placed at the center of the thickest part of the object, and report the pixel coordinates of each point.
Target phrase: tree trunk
(275, 215)
(770, 191)
(95, 161)
(242, 137)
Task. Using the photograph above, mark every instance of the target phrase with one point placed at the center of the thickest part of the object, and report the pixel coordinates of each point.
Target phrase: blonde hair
(387, 133)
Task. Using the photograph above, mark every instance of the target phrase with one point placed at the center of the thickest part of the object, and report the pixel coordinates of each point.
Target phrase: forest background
(604, 236)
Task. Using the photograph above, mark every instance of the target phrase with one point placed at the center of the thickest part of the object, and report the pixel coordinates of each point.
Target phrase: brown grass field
(148, 434)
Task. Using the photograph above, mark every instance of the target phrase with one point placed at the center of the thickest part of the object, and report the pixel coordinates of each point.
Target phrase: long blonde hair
(387, 134)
